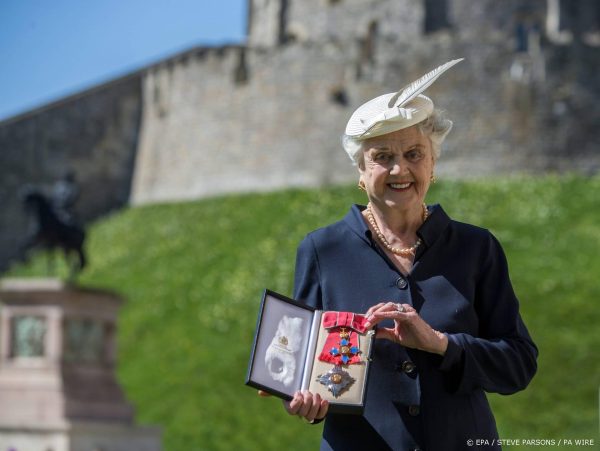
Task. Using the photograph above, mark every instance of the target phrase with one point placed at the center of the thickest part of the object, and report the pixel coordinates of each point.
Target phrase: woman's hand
(305, 404)
(409, 328)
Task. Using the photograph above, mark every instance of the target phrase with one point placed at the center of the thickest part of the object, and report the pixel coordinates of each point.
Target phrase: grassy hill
(193, 274)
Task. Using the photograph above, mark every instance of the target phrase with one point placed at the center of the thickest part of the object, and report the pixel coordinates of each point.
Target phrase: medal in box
(299, 348)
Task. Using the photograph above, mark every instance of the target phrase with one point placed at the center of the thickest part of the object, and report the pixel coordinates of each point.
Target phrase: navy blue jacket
(459, 284)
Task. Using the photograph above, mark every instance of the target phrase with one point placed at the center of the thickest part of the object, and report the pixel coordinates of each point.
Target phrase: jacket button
(414, 410)
(408, 367)
(401, 283)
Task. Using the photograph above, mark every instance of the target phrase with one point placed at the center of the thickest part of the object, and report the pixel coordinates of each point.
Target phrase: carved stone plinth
(58, 391)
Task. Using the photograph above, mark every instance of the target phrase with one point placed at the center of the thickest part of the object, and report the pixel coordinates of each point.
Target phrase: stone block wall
(211, 135)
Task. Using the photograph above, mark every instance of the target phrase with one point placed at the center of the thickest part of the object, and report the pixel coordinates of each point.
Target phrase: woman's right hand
(307, 405)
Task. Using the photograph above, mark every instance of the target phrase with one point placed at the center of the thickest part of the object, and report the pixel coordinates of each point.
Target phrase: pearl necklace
(405, 251)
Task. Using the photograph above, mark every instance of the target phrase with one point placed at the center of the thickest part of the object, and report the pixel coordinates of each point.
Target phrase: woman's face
(397, 168)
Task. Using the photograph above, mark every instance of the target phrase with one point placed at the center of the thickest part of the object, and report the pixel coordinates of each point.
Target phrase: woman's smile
(400, 186)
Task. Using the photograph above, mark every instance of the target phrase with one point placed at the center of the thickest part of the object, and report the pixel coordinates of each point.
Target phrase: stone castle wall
(270, 114)
(208, 134)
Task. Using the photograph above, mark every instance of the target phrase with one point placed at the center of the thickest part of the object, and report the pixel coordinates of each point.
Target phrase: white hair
(435, 127)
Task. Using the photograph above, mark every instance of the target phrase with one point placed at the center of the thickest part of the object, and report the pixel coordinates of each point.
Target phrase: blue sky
(53, 48)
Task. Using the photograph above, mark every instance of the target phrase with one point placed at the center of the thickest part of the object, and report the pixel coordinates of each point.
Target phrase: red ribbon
(335, 322)
(344, 319)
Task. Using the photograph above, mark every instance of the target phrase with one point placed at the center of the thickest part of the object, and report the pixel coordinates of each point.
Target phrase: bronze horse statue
(51, 231)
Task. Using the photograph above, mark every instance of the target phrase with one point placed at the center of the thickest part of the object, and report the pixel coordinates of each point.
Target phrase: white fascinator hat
(396, 110)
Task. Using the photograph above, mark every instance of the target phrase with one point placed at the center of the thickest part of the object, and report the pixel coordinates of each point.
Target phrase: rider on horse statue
(55, 224)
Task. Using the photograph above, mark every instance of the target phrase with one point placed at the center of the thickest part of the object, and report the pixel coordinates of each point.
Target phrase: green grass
(193, 274)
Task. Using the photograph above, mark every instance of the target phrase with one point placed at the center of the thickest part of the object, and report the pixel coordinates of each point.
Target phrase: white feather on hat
(395, 111)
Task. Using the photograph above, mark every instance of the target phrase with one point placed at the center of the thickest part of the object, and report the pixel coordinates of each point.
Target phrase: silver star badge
(336, 380)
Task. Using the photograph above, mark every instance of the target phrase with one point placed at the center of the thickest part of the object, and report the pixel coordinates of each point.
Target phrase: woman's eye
(382, 157)
(413, 155)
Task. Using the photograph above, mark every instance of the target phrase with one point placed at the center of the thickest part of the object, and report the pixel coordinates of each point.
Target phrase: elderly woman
(438, 291)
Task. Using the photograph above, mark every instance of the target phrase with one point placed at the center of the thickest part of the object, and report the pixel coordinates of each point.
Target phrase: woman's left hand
(409, 330)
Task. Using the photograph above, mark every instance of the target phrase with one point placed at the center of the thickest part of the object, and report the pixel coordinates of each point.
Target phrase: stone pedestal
(58, 390)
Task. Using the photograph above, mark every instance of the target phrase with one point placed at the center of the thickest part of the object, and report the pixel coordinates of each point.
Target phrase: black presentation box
(299, 348)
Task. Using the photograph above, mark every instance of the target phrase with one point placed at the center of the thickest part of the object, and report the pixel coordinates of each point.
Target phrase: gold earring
(432, 179)
(361, 186)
